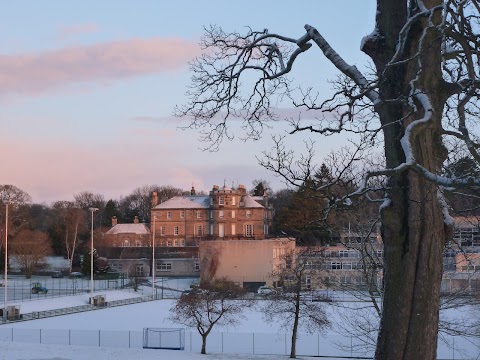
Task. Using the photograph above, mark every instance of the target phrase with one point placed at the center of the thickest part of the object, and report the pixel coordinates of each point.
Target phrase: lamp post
(153, 258)
(92, 210)
(5, 282)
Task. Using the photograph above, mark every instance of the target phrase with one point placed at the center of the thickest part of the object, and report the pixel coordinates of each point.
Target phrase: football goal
(158, 338)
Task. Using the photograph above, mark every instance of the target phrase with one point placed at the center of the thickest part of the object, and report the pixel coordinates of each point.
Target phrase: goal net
(158, 338)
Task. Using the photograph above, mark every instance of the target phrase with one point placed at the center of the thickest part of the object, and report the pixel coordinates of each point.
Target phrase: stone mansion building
(178, 227)
(226, 214)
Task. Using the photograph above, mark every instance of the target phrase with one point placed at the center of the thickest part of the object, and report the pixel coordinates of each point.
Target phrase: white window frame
(233, 200)
(221, 200)
(169, 214)
(176, 230)
(164, 267)
(199, 214)
(248, 230)
(233, 214)
(162, 230)
(248, 214)
(198, 230)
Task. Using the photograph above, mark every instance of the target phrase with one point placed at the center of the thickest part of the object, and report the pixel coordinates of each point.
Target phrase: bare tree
(139, 202)
(212, 303)
(419, 102)
(74, 221)
(30, 248)
(288, 306)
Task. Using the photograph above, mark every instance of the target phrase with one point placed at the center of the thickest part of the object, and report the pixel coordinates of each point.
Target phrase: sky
(88, 88)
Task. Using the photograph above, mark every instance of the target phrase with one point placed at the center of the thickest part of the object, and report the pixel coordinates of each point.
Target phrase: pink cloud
(78, 29)
(35, 73)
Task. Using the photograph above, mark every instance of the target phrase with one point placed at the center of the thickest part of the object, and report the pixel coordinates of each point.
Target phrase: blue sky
(87, 90)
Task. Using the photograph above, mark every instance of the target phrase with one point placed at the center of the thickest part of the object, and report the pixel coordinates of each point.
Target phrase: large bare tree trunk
(413, 228)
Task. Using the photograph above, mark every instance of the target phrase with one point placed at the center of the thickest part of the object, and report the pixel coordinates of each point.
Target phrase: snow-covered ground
(130, 320)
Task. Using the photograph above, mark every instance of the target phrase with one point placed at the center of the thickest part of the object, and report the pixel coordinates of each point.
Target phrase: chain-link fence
(334, 346)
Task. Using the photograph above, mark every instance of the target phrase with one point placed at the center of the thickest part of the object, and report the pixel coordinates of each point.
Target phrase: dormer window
(221, 200)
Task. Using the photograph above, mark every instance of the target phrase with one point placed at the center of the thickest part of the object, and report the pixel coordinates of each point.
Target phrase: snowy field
(121, 329)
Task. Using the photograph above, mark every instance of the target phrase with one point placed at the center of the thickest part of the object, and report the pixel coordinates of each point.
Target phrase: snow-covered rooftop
(185, 202)
(140, 229)
(249, 202)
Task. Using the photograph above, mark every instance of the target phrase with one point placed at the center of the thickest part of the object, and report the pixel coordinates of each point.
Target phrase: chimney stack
(192, 192)
(154, 199)
(114, 221)
(135, 221)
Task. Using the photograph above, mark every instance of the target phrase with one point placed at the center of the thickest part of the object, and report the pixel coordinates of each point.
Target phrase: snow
(131, 319)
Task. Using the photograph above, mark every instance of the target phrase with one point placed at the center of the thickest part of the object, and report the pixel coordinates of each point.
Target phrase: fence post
(69, 337)
(253, 343)
(40, 333)
(222, 342)
(12, 334)
(129, 342)
(99, 331)
(351, 346)
(453, 348)
(285, 341)
(318, 344)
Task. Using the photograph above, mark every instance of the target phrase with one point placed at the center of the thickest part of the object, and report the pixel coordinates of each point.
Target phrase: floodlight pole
(5, 282)
(153, 258)
(92, 210)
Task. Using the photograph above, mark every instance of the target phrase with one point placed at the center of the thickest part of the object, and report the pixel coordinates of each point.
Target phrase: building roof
(185, 202)
(249, 202)
(140, 229)
(466, 221)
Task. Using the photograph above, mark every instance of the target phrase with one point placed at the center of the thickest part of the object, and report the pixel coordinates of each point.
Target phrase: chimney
(192, 192)
(135, 221)
(154, 199)
(114, 221)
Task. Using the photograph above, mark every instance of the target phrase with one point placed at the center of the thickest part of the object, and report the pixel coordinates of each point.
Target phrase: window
(248, 230)
(183, 242)
(197, 267)
(139, 269)
(221, 200)
(336, 265)
(233, 200)
(175, 242)
(308, 282)
(126, 243)
(346, 280)
(220, 214)
(199, 230)
(182, 214)
(234, 230)
(175, 230)
(233, 214)
(249, 214)
(380, 253)
(169, 242)
(169, 214)
(165, 267)
(138, 243)
(347, 266)
(199, 214)
(162, 230)
(343, 253)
